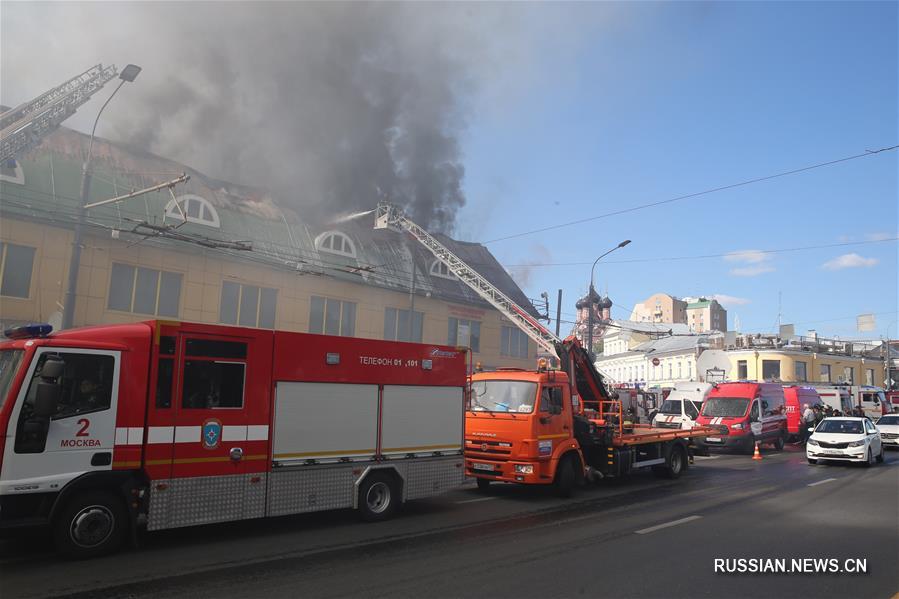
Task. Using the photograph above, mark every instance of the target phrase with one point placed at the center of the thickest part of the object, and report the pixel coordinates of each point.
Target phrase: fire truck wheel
(378, 497)
(566, 477)
(89, 525)
(779, 444)
(483, 485)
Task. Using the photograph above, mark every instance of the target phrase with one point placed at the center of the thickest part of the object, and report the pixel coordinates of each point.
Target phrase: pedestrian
(819, 415)
(807, 421)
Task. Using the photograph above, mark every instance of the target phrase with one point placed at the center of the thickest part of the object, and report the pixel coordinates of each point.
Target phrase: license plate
(713, 439)
(832, 452)
(482, 467)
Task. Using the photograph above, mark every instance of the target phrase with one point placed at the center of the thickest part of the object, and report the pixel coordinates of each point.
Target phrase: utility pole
(558, 313)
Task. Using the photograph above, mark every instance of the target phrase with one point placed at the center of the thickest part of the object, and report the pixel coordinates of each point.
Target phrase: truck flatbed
(645, 434)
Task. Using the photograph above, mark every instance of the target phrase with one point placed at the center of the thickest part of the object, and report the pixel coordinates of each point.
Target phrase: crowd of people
(812, 415)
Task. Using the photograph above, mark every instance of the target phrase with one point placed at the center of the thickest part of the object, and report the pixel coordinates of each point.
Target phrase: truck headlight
(738, 426)
(860, 443)
(524, 469)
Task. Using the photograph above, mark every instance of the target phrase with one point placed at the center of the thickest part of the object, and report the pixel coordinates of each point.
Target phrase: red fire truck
(157, 425)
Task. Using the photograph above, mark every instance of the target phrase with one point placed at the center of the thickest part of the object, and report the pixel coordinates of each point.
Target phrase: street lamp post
(591, 294)
(128, 74)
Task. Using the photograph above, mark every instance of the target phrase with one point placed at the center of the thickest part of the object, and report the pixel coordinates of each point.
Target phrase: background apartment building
(218, 252)
(700, 314)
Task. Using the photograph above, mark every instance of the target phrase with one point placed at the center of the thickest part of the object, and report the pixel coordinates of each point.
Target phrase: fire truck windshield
(503, 396)
(9, 365)
(725, 407)
(671, 406)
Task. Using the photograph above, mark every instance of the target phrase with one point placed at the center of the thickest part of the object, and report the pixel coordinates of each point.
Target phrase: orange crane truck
(547, 426)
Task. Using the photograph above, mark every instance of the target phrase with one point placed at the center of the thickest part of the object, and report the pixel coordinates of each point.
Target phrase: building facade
(704, 315)
(656, 363)
(217, 252)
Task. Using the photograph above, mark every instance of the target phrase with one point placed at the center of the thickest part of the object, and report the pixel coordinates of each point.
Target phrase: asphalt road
(636, 537)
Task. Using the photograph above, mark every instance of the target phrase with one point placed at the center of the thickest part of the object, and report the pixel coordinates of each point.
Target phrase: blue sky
(664, 99)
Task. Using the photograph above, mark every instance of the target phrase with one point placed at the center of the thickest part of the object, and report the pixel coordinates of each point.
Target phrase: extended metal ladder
(26, 125)
(388, 216)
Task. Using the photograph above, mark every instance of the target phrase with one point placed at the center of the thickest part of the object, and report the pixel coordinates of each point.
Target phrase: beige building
(704, 315)
(660, 307)
(156, 256)
(700, 314)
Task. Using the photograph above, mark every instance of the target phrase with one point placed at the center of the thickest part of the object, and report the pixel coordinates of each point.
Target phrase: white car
(889, 430)
(846, 440)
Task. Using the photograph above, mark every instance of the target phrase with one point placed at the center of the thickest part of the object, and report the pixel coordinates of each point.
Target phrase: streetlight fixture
(127, 75)
(591, 294)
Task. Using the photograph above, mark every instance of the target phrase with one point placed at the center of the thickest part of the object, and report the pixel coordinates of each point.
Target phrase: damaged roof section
(219, 213)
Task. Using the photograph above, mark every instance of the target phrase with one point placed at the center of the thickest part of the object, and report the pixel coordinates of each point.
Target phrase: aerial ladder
(587, 382)
(26, 125)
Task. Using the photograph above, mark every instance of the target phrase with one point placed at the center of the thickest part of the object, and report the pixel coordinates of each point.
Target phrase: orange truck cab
(519, 425)
(743, 413)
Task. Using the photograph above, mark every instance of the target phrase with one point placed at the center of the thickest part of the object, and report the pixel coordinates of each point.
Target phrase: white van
(835, 396)
(682, 406)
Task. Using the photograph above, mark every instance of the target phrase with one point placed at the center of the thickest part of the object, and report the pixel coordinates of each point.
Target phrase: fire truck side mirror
(46, 399)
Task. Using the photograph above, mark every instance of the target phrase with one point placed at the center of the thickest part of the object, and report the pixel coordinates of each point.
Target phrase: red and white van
(744, 413)
(794, 398)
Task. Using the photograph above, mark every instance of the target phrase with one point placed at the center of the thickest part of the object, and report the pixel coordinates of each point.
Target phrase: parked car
(845, 440)
(744, 413)
(681, 408)
(794, 398)
(889, 430)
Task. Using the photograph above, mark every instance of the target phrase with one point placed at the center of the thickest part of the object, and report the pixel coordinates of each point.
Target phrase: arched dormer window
(196, 210)
(335, 242)
(439, 269)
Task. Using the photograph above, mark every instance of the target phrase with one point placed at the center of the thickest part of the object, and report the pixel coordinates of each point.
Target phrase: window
(754, 412)
(466, 333)
(439, 269)
(335, 242)
(16, 264)
(210, 384)
(513, 343)
(332, 317)
(800, 371)
(848, 374)
(670, 367)
(144, 290)
(771, 370)
(825, 373)
(742, 370)
(11, 172)
(248, 305)
(85, 387)
(195, 210)
(551, 400)
(679, 373)
(692, 409)
(402, 325)
(869, 376)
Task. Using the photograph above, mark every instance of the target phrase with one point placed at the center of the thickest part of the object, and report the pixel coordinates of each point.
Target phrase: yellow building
(179, 256)
(798, 366)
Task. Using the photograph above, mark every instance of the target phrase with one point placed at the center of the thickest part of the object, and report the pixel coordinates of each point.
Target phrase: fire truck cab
(160, 424)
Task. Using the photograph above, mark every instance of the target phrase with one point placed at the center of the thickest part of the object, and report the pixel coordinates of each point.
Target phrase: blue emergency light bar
(28, 331)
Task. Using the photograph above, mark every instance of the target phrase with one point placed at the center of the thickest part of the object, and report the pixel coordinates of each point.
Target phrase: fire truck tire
(91, 524)
(675, 463)
(566, 477)
(779, 444)
(378, 497)
(483, 485)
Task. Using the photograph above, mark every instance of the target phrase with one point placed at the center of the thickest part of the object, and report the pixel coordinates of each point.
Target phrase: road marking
(476, 500)
(821, 482)
(644, 531)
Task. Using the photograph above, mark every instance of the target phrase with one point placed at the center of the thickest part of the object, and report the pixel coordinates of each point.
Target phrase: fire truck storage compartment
(325, 422)
(421, 420)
